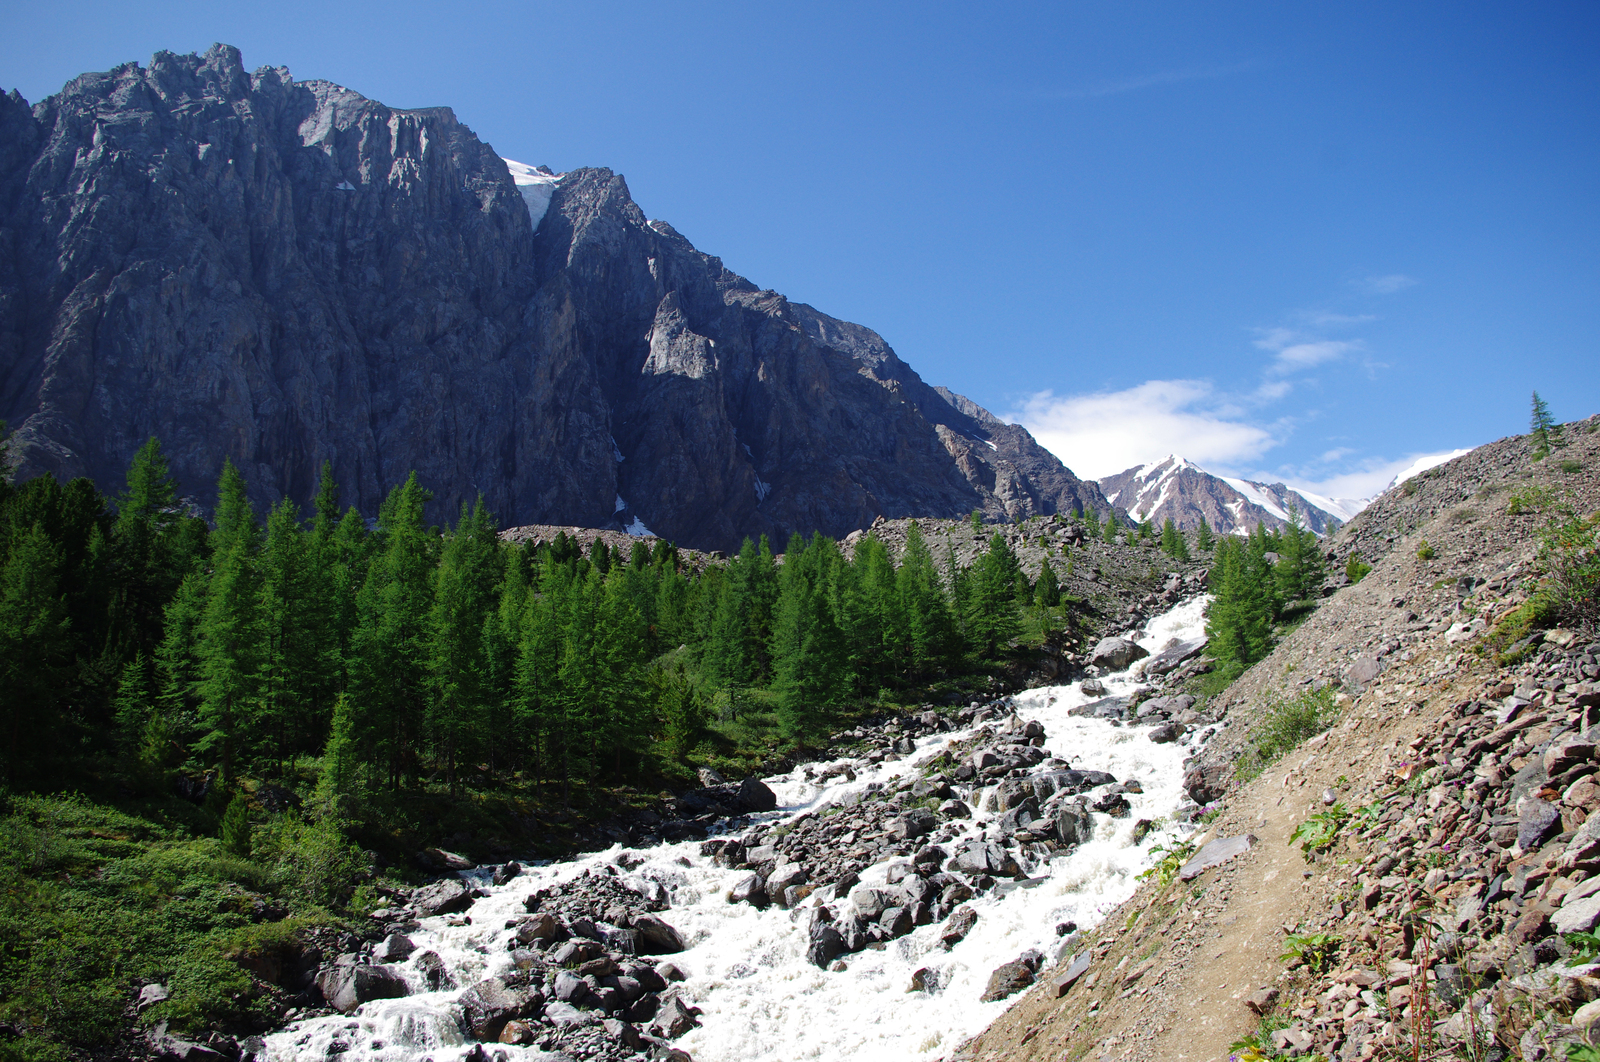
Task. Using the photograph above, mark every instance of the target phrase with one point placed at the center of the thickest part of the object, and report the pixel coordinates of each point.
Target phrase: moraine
(748, 982)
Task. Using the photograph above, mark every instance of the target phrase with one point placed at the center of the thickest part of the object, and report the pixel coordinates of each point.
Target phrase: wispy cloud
(1118, 86)
(1101, 434)
(1295, 350)
(1367, 478)
(1387, 284)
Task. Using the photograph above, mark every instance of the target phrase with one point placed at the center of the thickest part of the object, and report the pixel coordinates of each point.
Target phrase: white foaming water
(747, 968)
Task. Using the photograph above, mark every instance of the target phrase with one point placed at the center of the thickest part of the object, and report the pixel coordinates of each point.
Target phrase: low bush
(1287, 722)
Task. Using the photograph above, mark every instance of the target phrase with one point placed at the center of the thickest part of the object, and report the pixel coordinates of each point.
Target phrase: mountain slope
(287, 273)
(1185, 493)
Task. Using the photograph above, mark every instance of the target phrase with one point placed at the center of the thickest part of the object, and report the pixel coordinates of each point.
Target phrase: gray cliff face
(284, 273)
(1184, 493)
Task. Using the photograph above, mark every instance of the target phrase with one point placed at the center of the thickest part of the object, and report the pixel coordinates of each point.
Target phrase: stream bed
(750, 972)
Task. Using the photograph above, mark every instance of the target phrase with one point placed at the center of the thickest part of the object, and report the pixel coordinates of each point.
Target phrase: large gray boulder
(655, 936)
(755, 795)
(487, 1006)
(442, 897)
(1116, 653)
(347, 987)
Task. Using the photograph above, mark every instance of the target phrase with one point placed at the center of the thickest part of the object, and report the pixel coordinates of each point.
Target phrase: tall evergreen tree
(34, 647)
(227, 644)
(1204, 539)
(925, 605)
(1048, 590)
(458, 666)
(389, 649)
(808, 650)
(293, 656)
(992, 618)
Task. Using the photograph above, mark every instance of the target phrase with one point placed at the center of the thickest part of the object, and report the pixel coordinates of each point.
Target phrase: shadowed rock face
(285, 272)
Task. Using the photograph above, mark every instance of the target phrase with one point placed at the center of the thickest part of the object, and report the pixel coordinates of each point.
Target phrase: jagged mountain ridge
(286, 272)
(1183, 492)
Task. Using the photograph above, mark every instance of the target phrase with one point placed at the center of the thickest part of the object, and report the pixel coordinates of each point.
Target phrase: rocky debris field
(1417, 881)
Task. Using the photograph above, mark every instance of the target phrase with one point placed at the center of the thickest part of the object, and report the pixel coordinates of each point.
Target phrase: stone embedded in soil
(1214, 854)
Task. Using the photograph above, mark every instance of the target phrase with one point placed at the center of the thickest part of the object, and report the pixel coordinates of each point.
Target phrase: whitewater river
(747, 969)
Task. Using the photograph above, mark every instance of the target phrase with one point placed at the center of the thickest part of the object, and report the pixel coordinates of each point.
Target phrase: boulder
(396, 947)
(1565, 754)
(487, 1006)
(870, 902)
(913, 824)
(1073, 824)
(1007, 980)
(748, 889)
(1165, 733)
(675, 1018)
(710, 777)
(446, 896)
(754, 796)
(537, 927)
(438, 857)
(984, 857)
(1116, 653)
(655, 936)
(1216, 853)
(505, 872)
(347, 987)
(1172, 658)
(1537, 822)
(434, 973)
(957, 926)
(825, 945)
(1361, 674)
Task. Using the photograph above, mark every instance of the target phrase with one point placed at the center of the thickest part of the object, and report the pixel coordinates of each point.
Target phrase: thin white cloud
(1371, 475)
(1119, 86)
(1387, 284)
(1102, 434)
(1293, 350)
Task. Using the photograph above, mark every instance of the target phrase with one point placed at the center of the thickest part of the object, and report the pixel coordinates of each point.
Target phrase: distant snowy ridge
(1422, 464)
(1185, 493)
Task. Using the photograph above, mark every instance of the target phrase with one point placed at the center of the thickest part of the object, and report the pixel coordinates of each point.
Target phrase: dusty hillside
(1445, 896)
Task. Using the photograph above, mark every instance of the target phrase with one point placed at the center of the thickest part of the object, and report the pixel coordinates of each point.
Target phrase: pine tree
(34, 646)
(1546, 433)
(1048, 591)
(1108, 533)
(925, 605)
(1239, 618)
(227, 636)
(293, 649)
(808, 650)
(1204, 540)
(388, 666)
(458, 666)
(992, 618)
(147, 549)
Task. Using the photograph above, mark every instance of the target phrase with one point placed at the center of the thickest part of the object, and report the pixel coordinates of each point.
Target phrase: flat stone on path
(1078, 967)
(1215, 854)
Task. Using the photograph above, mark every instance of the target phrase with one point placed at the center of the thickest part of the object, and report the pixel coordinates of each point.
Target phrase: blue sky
(1292, 241)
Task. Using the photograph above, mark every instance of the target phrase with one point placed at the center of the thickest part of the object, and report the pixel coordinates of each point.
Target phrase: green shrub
(1320, 831)
(1569, 556)
(1425, 551)
(312, 861)
(1572, 467)
(1356, 569)
(236, 826)
(1287, 722)
(1531, 499)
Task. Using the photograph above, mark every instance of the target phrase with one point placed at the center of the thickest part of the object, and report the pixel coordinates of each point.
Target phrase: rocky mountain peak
(1177, 489)
(286, 272)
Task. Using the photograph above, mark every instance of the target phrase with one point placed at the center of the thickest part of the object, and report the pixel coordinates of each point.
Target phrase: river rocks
(957, 926)
(487, 1006)
(347, 987)
(446, 896)
(675, 1018)
(983, 857)
(748, 889)
(911, 825)
(1073, 824)
(395, 947)
(505, 872)
(1010, 978)
(1166, 732)
(755, 796)
(825, 944)
(655, 936)
(1116, 653)
(1171, 658)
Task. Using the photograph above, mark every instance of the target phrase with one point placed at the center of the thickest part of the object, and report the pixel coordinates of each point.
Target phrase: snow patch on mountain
(537, 184)
(1177, 489)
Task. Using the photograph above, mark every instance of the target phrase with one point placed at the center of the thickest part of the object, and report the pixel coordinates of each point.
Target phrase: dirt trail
(1173, 968)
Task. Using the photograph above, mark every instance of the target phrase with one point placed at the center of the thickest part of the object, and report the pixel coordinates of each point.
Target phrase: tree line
(138, 639)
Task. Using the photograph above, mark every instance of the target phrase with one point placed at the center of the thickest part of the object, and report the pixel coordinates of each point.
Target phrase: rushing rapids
(752, 987)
